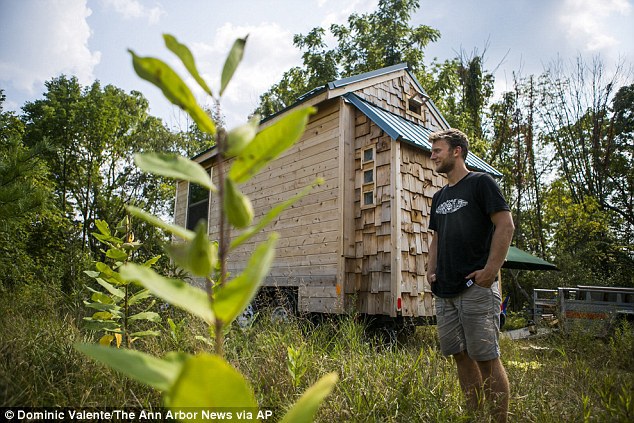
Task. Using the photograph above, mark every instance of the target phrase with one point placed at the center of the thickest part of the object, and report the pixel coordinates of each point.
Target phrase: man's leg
(470, 379)
(496, 387)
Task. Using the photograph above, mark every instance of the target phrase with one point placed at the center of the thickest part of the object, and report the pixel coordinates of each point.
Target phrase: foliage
(592, 142)
(183, 378)
(367, 42)
(36, 246)
(93, 133)
(462, 89)
(114, 308)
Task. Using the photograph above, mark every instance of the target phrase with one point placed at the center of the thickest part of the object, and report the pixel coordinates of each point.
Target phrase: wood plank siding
(308, 252)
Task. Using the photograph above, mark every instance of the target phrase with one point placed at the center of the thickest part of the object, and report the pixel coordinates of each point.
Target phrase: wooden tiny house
(359, 241)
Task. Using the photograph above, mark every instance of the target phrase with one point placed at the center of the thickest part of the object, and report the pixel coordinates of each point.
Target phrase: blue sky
(40, 39)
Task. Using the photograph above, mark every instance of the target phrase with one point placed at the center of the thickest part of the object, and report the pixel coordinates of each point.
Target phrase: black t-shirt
(460, 216)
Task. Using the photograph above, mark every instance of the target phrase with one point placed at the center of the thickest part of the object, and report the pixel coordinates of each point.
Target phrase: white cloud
(47, 38)
(588, 21)
(339, 14)
(133, 9)
(269, 53)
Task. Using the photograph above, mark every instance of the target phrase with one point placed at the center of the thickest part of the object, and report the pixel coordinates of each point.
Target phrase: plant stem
(223, 241)
(125, 319)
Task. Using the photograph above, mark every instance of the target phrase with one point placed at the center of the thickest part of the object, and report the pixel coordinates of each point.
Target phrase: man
(473, 229)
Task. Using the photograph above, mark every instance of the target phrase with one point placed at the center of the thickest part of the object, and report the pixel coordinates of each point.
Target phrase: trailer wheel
(246, 319)
(280, 314)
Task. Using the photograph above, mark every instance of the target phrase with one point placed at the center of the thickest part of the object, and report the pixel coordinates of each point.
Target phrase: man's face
(443, 156)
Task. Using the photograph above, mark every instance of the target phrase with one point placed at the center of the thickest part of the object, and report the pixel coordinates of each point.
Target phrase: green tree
(462, 89)
(367, 42)
(593, 145)
(94, 132)
(36, 243)
(621, 165)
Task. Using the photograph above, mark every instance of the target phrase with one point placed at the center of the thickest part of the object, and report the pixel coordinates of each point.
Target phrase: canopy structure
(519, 259)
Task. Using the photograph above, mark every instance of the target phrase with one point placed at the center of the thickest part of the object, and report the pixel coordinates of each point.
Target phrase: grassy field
(556, 378)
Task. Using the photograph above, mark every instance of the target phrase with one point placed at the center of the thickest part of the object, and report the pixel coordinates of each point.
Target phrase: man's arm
(431, 260)
(500, 243)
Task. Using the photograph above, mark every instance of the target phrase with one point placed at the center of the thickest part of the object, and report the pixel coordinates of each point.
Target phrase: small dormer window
(415, 105)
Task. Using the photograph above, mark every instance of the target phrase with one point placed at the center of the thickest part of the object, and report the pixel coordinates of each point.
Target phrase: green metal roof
(401, 129)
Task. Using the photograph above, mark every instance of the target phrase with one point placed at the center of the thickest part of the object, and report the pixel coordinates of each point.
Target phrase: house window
(368, 170)
(368, 176)
(368, 155)
(368, 198)
(415, 105)
(197, 205)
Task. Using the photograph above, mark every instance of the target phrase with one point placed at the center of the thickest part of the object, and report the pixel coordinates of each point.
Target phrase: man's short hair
(454, 137)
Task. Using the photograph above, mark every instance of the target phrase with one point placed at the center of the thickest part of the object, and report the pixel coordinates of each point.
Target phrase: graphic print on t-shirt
(451, 206)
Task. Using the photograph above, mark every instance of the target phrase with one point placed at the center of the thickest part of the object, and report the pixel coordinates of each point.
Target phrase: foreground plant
(208, 380)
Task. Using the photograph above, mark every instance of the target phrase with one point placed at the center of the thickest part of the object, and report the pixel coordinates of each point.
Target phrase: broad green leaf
(102, 298)
(179, 231)
(90, 324)
(113, 308)
(103, 227)
(304, 410)
(238, 138)
(237, 205)
(92, 273)
(233, 297)
(151, 262)
(147, 369)
(173, 87)
(187, 58)
(102, 315)
(108, 274)
(174, 291)
(116, 254)
(146, 333)
(139, 296)
(174, 166)
(269, 143)
(111, 289)
(198, 256)
(124, 225)
(272, 214)
(232, 62)
(131, 246)
(107, 239)
(208, 381)
(146, 315)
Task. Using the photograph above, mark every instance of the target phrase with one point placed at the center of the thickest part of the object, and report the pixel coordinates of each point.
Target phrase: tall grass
(553, 379)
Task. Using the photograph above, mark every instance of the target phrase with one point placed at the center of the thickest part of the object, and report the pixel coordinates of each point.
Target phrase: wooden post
(346, 198)
(395, 185)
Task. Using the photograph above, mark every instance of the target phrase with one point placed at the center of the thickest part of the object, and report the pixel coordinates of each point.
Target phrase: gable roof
(352, 83)
(401, 129)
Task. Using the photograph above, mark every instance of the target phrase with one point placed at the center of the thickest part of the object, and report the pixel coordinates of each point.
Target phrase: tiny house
(358, 242)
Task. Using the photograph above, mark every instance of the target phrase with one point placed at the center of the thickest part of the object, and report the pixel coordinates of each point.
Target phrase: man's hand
(483, 277)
